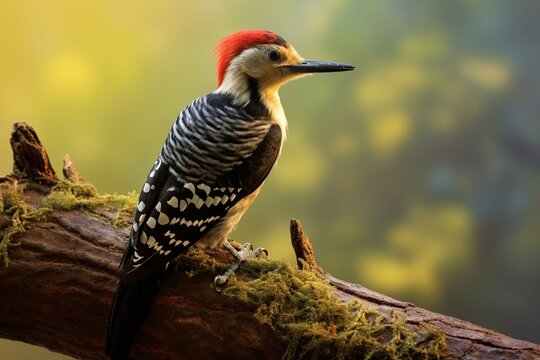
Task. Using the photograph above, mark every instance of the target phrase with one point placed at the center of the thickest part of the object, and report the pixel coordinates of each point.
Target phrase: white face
(267, 64)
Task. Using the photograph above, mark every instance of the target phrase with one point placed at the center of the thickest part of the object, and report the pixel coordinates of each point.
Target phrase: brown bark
(30, 160)
(59, 285)
(302, 246)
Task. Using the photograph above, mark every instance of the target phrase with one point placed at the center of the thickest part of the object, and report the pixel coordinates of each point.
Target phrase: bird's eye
(273, 55)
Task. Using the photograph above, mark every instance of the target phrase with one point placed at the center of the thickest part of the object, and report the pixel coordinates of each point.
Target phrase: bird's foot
(241, 255)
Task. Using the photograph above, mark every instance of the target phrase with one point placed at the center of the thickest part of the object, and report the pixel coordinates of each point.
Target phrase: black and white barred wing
(180, 216)
(174, 215)
(252, 172)
(148, 197)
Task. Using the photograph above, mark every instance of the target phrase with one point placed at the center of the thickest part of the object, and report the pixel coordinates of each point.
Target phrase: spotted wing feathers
(182, 214)
(172, 217)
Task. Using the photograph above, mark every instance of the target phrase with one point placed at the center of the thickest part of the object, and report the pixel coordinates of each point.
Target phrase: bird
(215, 159)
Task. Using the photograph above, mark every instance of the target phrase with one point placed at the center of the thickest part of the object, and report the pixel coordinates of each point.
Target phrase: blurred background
(417, 175)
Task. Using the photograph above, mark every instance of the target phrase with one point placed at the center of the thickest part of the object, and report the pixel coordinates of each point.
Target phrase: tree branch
(60, 282)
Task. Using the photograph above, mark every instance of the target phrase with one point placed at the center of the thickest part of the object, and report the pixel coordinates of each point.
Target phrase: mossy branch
(59, 283)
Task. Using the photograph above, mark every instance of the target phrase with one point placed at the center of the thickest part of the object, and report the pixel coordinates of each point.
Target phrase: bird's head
(266, 58)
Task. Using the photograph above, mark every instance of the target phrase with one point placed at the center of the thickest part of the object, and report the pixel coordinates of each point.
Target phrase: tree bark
(60, 282)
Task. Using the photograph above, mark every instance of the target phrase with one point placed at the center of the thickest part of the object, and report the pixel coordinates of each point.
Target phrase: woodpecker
(211, 168)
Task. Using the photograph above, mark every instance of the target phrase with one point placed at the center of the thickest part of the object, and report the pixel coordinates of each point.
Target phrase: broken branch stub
(30, 160)
(302, 246)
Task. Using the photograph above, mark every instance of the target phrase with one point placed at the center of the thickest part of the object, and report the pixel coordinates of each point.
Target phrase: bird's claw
(219, 281)
(241, 256)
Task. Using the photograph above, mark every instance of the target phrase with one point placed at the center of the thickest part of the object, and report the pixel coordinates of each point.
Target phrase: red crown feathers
(234, 44)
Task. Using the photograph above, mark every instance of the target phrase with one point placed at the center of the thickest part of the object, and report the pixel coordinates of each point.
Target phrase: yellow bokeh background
(416, 175)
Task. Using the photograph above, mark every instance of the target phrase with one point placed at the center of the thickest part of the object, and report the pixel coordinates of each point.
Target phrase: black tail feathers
(130, 307)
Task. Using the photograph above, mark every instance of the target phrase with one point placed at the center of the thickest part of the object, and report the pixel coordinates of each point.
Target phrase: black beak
(315, 66)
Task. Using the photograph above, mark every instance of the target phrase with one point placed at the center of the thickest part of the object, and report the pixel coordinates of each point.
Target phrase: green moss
(197, 261)
(299, 304)
(303, 307)
(12, 204)
(65, 195)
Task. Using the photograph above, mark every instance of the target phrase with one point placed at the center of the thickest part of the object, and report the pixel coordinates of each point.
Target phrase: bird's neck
(247, 91)
(269, 96)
